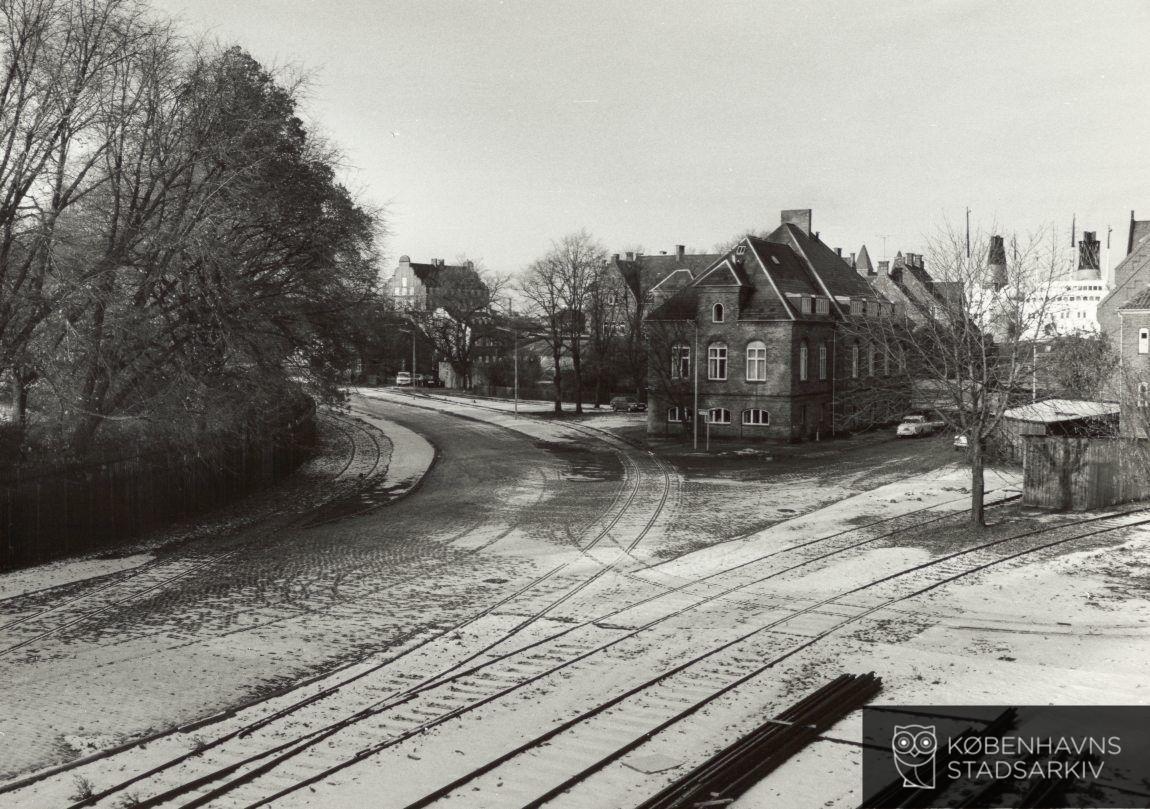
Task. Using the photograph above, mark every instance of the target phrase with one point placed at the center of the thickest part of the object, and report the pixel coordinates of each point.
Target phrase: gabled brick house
(763, 323)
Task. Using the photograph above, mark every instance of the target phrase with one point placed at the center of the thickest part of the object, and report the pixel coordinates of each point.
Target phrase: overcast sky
(490, 128)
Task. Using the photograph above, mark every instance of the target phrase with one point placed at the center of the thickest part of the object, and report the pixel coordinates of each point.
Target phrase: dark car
(628, 403)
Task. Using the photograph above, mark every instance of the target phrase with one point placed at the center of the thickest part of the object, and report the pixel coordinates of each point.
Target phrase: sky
(489, 129)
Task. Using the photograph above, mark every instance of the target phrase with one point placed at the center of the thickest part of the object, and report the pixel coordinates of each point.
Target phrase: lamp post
(515, 331)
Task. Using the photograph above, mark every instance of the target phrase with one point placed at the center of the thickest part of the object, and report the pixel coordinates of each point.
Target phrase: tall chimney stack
(995, 264)
(800, 218)
(680, 251)
(1089, 250)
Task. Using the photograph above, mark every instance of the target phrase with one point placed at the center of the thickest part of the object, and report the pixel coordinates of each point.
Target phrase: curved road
(496, 509)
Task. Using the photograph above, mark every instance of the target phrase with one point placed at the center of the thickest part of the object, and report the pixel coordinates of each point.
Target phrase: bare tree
(606, 320)
(542, 288)
(573, 264)
(970, 356)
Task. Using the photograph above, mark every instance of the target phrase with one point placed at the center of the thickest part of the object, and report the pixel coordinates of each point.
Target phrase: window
(872, 356)
(680, 361)
(756, 361)
(719, 415)
(803, 359)
(673, 414)
(1144, 341)
(1142, 394)
(886, 363)
(805, 308)
(855, 361)
(822, 306)
(822, 360)
(717, 361)
(717, 313)
(902, 358)
(756, 417)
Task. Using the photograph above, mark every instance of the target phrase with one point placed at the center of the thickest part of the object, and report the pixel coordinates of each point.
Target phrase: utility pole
(514, 329)
(884, 237)
(968, 232)
(695, 409)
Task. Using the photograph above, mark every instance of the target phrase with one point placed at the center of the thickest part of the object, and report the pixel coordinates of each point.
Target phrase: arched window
(855, 361)
(717, 361)
(756, 361)
(872, 356)
(822, 360)
(717, 313)
(719, 415)
(756, 417)
(680, 361)
(803, 360)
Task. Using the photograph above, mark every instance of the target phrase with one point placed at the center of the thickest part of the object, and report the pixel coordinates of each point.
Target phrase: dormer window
(822, 306)
(717, 313)
(805, 305)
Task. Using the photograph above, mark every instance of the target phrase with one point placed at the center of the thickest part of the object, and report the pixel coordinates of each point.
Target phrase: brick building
(1132, 382)
(423, 287)
(1130, 277)
(761, 327)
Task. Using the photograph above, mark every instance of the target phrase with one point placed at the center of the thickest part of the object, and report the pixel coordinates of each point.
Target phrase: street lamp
(515, 331)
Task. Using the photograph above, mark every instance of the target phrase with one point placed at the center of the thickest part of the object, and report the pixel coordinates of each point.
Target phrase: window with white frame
(719, 415)
(1144, 341)
(680, 361)
(673, 414)
(756, 417)
(717, 361)
(717, 313)
(822, 360)
(804, 359)
(805, 304)
(1142, 394)
(855, 361)
(756, 361)
(822, 306)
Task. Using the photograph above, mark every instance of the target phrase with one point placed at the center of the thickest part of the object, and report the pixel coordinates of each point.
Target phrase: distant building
(759, 326)
(427, 287)
(905, 281)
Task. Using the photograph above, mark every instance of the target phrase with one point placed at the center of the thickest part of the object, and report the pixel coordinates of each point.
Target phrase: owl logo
(914, 747)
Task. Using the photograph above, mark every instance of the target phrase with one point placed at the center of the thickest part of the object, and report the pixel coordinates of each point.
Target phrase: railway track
(154, 576)
(534, 661)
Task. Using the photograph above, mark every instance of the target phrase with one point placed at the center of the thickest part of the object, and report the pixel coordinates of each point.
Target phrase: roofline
(814, 272)
(722, 261)
(766, 272)
(675, 271)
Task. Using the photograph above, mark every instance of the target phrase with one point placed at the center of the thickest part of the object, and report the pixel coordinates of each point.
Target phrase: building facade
(759, 331)
(416, 286)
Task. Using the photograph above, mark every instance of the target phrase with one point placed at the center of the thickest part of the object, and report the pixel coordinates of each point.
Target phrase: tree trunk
(556, 354)
(977, 491)
(575, 361)
(598, 382)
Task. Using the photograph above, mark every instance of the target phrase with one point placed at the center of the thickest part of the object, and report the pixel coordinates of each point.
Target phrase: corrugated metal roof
(1052, 410)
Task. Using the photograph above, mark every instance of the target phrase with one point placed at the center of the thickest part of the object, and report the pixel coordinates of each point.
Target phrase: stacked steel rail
(732, 771)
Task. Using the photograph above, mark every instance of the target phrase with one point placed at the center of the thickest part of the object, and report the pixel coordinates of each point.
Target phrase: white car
(961, 441)
(916, 426)
(403, 378)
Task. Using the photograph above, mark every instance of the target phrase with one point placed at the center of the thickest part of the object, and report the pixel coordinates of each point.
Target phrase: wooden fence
(47, 513)
(1072, 473)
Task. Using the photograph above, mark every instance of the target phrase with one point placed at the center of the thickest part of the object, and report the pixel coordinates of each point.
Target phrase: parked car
(403, 378)
(961, 441)
(917, 426)
(627, 403)
(434, 382)
(637, 407)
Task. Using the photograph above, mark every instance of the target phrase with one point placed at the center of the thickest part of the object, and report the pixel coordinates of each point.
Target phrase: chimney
(884, 268)
(1130, 236)
(615, 258)
(680, 251)
(470, 264)
(630, 255)
(800, 218)
(854, 264)
(1089, 248)
(839, 252)
(996, 264)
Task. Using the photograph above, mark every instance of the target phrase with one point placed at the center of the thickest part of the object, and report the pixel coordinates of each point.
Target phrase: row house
(762, 332)
(425, 287)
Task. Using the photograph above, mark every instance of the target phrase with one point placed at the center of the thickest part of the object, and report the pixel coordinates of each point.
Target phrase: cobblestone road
(288, 602)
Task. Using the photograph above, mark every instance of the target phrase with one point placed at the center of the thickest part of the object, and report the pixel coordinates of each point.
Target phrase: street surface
(559, 592)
